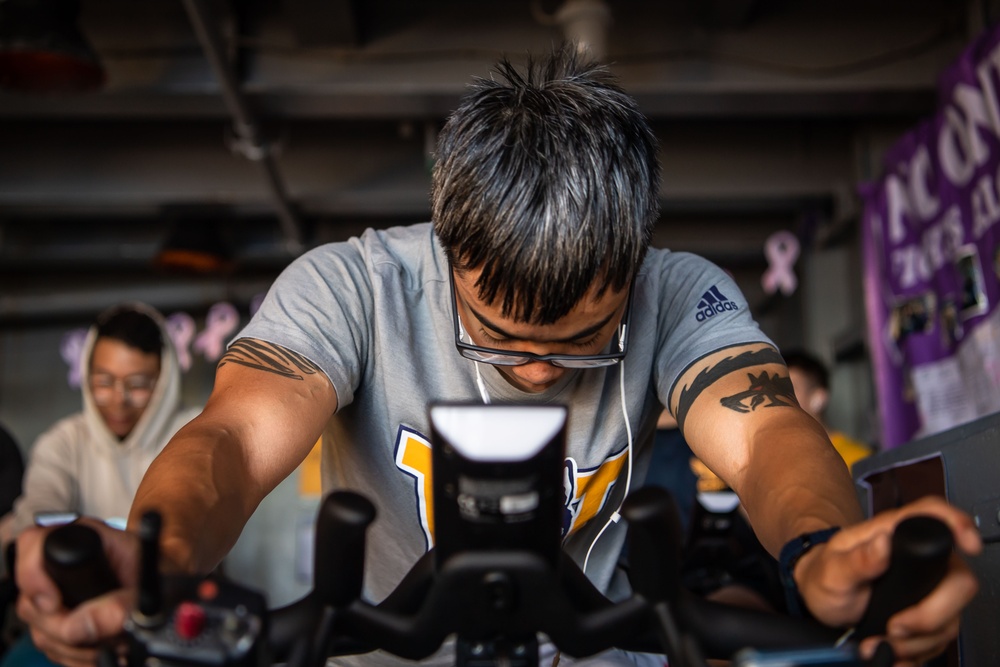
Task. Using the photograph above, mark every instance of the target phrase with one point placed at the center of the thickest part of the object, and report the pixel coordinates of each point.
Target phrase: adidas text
(710, 310)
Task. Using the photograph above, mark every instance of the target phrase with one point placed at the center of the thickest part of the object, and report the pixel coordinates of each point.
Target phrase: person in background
(534, 282)
(811, 380)
(91, 462)
(11, 470)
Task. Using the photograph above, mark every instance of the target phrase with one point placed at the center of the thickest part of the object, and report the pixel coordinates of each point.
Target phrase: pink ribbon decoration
(180, 327)
(70, 348)
(782, 250)
(222, 320)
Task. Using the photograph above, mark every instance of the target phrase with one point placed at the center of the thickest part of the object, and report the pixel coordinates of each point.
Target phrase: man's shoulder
(418, 237)
(684, 280)
(664, 259)
(409, 247)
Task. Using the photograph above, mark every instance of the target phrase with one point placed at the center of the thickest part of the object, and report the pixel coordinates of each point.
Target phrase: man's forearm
(797, 484)
(201, 487)
(261, 420)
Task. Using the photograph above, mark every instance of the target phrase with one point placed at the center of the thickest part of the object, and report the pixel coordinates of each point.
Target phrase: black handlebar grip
(74, 559)
(921, 548)
(655, 540)
(339, 563)
(150, 605)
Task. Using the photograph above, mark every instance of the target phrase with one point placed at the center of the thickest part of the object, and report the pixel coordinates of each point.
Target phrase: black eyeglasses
(488, 355)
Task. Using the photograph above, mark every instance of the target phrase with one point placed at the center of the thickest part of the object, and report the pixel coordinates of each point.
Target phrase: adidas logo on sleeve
(712, 303)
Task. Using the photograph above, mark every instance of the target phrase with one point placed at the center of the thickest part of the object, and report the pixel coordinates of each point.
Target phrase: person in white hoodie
(91, 462)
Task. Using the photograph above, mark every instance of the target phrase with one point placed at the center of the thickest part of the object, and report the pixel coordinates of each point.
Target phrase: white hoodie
(78, 465)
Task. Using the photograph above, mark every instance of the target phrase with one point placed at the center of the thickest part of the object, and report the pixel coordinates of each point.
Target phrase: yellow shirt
(849, 449)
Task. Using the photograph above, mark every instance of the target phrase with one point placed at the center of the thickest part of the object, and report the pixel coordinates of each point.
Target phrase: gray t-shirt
(374, 313)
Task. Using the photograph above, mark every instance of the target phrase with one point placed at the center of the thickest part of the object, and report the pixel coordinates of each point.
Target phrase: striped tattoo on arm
(268, 357)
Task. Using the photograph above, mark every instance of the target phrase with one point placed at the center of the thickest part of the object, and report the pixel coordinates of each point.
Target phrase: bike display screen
(497, 477)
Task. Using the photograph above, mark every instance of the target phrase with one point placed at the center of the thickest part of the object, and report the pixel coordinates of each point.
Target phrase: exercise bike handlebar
(509, 597)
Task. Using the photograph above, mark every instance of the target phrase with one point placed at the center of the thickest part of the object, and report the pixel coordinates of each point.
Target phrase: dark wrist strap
(790, 555)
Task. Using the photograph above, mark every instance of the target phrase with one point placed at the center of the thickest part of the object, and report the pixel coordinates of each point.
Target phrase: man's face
(586, 330)
(122, 379)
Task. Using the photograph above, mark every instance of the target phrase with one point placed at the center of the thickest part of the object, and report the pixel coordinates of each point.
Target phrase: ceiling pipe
(250, 141)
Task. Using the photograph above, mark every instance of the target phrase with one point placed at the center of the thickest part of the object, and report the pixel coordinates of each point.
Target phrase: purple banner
(932, 268)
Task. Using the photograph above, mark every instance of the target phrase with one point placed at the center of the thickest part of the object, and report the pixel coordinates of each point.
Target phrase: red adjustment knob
(189, 620)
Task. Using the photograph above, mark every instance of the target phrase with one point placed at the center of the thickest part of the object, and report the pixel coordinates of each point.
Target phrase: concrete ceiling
(767, 111)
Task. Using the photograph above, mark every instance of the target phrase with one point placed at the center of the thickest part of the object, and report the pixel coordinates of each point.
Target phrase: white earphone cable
(616, 516)
(485, 395)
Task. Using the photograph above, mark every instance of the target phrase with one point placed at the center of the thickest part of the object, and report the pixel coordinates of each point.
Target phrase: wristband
(790, 555)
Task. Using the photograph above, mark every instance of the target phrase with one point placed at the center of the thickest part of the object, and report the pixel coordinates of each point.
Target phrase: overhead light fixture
(194, 246)
(42, 49)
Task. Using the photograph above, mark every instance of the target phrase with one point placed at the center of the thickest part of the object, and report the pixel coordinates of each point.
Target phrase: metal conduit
(252, 144)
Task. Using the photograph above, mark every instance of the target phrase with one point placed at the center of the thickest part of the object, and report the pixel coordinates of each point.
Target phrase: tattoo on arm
(763, 387)
(729, 365)
(268, 357)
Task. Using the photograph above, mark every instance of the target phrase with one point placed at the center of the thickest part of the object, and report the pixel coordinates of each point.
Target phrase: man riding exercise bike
(534, 283)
